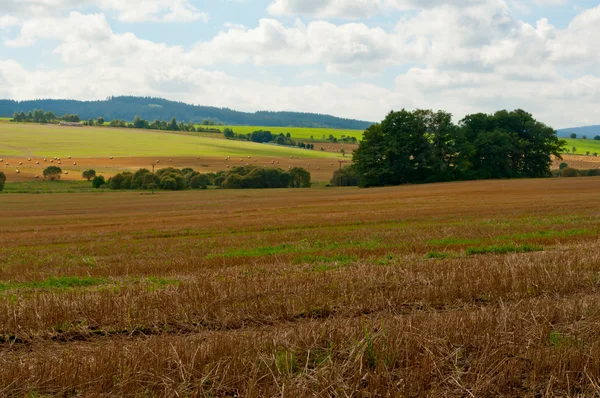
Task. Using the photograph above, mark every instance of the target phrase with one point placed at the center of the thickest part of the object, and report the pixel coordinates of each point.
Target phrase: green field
(49, 140)
(318, 134)
(583, 146)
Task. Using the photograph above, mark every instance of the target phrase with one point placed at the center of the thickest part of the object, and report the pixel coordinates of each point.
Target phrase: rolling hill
(126, 108)
(589, 131)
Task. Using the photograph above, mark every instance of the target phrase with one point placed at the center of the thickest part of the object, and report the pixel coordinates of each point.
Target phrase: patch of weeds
(503, 249)
(285, 362)
(557, 339)
(440, 255)
(549, 234)
(340, 260)
(454, 241)
(163, 282)
(61, 283)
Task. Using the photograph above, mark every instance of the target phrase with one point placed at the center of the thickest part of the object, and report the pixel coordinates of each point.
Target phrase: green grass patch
(36, 140)
(326, 263)
(503, 249)
(549, 234)
(41, 186)
(454, 242)
(557, 339)
(583, 146)
(61, 283)
(439, 255)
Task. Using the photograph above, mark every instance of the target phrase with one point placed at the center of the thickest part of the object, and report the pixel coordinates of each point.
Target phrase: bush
(299, 178)
(52, 173)
(346, 177)
(569, 172)
(98, 182)
(563, 166)
(89, 174)
(2, 181)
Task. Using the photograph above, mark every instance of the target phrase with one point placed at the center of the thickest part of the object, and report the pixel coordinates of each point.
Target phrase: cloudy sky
(350, 58)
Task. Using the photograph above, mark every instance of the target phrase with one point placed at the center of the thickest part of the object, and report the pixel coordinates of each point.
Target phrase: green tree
(563, 166)
(584, 137)
(573, 136)
(345, 177)
(89, 174)
(228, 133)
(98, 182)
(299, 178)
(569, 172)
(2, 181)
(597, 138)
(52, 173)
(100, 121)
(90, 122)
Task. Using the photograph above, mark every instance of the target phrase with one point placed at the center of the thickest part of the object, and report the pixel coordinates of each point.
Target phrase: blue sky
(356, 59)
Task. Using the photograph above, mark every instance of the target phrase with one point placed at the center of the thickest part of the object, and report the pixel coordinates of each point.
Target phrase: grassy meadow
(487, 288)
(583, 146)
(22, 140)
(297, 133)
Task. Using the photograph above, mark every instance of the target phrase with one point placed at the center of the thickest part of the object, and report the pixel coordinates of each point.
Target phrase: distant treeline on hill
(126, 108)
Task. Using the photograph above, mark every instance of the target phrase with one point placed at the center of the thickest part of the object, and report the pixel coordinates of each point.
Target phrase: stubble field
(462, 289)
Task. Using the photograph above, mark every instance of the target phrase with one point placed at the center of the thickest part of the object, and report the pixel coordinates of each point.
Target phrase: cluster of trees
(565, 171)
(343, 138)
(140, 123)
(262, 136)
(126, 108)
(584, 137)
(245, 177)
(39, 116)
(426, 146)
(168, 179)
(237, 178)
(2, 181)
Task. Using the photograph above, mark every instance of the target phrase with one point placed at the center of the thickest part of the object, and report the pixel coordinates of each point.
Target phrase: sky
(355, 59)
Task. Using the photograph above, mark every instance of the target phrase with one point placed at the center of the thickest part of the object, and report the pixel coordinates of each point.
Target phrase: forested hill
(126, 108)
(589, 131)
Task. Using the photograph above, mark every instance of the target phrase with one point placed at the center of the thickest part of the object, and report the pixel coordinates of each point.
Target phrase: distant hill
(126, 108)
(589, 131)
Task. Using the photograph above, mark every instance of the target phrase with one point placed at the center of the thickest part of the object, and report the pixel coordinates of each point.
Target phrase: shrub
(346, 177)
(2, 181)
(89, 174)
(299, 178)
(199, 181)
(563, 166)
(98, 182)
(52, 173)
(569, 172)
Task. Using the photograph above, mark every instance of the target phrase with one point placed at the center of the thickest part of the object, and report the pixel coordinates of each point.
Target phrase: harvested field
(459, 289)
(321, 169)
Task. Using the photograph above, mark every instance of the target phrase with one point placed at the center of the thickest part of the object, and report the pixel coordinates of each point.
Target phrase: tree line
(243, 177)
(264, 137)
(426, 146)
(39, 116)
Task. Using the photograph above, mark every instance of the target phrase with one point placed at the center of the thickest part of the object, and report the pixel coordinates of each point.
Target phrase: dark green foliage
(563, 166)
(346, 177)
(299, 178)
(228, 133)
(88, 174)
(37, 116)
(425, 146)
(247, 177)
(52, 173)
(573, 135)
(168, 179)
(2, 181)
(597, 138)
(98, 182)
(261, 136)
(100, 121)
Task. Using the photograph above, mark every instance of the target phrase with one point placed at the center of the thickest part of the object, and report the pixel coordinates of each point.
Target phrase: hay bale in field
(111, 157)
(37, 177)
(18, 172)
(37, 162)
(29, 159)
(74, 163)
(20, 163)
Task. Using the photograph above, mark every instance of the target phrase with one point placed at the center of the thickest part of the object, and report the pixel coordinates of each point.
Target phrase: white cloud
(126, 11)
